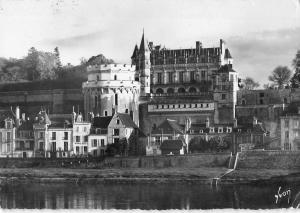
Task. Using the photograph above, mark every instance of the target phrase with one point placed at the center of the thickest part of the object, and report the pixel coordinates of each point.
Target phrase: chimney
(235, 122)
(198, 46)
(207, 122)
(151, 45)
(23, 117)
(254, 121)
(17, 112)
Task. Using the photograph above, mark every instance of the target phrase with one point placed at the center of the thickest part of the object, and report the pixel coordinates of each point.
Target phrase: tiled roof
(101, 122)
(172, 145)
(257, 128)
(168, 127)
(126, 120)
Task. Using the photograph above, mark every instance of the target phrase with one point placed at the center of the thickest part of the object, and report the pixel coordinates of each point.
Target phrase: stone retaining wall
(188, 161)
(269, 160)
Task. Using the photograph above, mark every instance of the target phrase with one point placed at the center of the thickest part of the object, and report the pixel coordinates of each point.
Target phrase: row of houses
(70, 135)
(62, 135)
(172, 138)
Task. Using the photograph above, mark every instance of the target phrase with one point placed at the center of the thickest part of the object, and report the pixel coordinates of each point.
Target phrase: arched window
(243, 102)
(170, 90)
(192, 90)
(181, 90)
(115, 77)
(159, 91)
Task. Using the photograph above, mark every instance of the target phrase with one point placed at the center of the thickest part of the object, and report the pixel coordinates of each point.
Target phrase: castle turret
(144, 67)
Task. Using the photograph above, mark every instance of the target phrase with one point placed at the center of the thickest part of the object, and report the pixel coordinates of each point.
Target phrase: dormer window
(118, 121)
(229, 129)
(220, 130)
(211, 129)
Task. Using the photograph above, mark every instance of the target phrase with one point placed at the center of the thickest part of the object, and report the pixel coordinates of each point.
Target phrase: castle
(160, 83)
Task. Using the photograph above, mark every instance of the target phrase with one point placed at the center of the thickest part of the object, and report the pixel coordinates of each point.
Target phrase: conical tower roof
(144, 46)
(135, 51)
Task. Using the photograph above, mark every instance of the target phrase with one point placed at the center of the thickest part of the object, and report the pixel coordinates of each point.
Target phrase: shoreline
(142, 175)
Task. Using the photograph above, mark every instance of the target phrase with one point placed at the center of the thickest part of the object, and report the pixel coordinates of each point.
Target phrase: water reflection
(140, 196)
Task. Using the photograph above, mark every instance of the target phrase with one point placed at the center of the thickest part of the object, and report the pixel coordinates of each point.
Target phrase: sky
(261, 34)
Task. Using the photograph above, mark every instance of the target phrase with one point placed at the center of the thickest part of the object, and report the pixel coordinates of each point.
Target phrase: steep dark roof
(126, 120)
(227, 54)
(43, 118)
(102, 122)
(172, 145)
(26, 126)
(135, 51)
(168, 127)
(143, 46)
(226, 68)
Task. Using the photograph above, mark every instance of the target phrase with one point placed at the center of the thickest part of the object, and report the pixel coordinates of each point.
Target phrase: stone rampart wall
(269, 160)
(187, 161)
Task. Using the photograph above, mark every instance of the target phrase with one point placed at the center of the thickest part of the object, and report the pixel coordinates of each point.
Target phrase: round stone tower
(111, 88)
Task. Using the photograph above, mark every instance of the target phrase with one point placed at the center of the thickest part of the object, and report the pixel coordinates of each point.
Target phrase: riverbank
(147, 175)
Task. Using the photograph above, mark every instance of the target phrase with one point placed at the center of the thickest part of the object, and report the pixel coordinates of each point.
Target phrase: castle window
(162, 106)
(261, 101)
(192, 76)
(243, 102)
(223, 96)
(211, 129)
(181, 77)
(105, 113)
(170, 75)
(202, 74)
(98, 78)
(196, 105)
(261, 94)
(184, 106)
(220, 130)
(229, 129)
(170, 90)
(118, 121)
(285, 100)
(126, 110)
(181, 90)
(115, 77)
(116, 99)
(201, 105)
(207, 105)
(190, 105)
(96, 101)
(173, 106)
(159, 91)
(201, 131)
(159, 78)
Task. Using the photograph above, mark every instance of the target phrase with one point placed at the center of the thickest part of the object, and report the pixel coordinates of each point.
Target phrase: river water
(146, 196)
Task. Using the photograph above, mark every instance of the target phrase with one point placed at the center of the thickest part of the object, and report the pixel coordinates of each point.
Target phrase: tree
(250, 84)
(40, 65)
(99, 59)
(58, 61)
(280, 76)
(295, 80)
